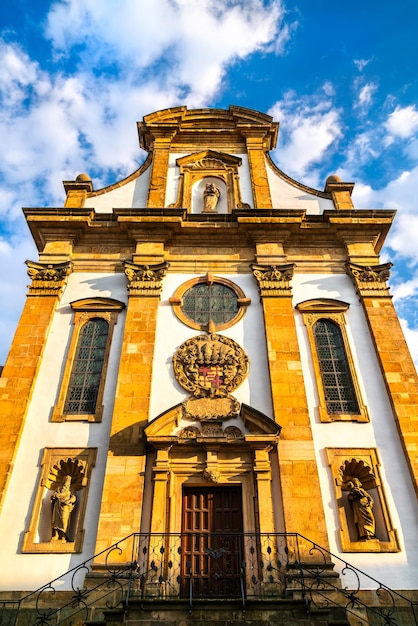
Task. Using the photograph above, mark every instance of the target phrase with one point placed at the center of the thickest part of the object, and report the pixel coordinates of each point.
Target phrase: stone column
(121, 508)
(393, 355)
(161, 153)
(301, 495)
(262, 473)
(25, 356)
(257, 161)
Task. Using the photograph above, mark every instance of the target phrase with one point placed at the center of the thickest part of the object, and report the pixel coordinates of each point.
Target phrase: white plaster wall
(29, 571)
(173, 177)
(131, 195)
(248, 333)
(286, 196)
(245, 180)
(397, 570)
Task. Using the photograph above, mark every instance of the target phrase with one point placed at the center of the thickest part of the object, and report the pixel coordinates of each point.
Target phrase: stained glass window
(87, 368)
(204, 303)
(337, 381)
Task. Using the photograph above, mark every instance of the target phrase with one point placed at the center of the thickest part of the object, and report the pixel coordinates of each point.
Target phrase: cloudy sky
(340, 77)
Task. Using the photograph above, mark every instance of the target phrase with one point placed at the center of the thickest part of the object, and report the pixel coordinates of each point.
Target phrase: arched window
(87, 368)
(83, 381)
(336, 377)
(339, 396)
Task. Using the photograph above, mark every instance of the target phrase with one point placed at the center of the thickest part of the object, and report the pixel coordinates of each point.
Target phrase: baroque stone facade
(217, 355)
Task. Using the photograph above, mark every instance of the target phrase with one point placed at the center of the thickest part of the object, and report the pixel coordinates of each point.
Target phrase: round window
(209, 304)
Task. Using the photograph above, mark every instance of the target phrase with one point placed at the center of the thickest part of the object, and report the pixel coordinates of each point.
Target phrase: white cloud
(361, 63)
(126, 61)
(365, 95)
(311, 125)
(190, 48)
(403, 122)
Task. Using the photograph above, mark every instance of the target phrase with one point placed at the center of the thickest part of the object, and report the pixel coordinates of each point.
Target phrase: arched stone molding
(210, 166)
(361, 465)
(57, 464)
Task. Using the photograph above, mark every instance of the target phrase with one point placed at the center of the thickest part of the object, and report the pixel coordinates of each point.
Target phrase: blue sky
(340, 77)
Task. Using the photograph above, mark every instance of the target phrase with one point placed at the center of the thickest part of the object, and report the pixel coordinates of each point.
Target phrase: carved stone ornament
(208, 164)
(274, 280)
(210, 365)
(48, 278)
(370, 280)
(355, 469)
(210, 408)
(74, 468)
(211, 476)
(233, 432)
(212, 429)
(190, 432)
(145, 280)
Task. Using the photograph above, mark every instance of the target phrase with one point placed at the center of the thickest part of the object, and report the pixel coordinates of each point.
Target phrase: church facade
(210, 375)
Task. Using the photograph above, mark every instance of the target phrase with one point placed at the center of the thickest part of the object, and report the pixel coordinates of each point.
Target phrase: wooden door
(212, 541)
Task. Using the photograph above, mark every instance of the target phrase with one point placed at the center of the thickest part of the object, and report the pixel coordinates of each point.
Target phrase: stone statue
(210, 198)
(63, 502)
(362, 503)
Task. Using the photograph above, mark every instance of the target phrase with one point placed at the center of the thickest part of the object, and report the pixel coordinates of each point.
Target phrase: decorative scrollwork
(210, 365)
(48, 278)
(145, 279)
(211, 408)
(267, 564)
(190, 432)
(370, 280)
(273, 280)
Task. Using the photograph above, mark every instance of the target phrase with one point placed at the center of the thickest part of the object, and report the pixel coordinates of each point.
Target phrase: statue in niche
(362, 503)
(63, 502)
(211, 196)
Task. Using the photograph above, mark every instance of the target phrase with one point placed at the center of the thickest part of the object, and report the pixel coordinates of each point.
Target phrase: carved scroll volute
(274, 280)
(145, 280)
(48, 279)
(370, 280)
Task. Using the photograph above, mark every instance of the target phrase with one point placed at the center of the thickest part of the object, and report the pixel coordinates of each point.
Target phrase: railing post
(189, 568)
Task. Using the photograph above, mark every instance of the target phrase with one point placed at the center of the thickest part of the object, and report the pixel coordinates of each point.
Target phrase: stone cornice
(370, 280)
(274, 280)
(48, 279)
(122, 228)
(145, 280)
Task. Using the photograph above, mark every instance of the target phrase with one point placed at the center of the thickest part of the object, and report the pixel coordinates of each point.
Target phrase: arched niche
(208, 166)
(198, 190)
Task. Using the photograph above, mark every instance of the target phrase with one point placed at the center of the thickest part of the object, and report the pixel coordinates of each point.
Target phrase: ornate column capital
(48, 279)
(274, 280)
(145, 280)
(370, 280)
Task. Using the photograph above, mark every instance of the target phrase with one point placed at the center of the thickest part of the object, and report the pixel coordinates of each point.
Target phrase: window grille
(87, 368)
(204, 303)
(336, 377)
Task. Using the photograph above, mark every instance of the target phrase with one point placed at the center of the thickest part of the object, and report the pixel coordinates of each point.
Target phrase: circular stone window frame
(176, 302)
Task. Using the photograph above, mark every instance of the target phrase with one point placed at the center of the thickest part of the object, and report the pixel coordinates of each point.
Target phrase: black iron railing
(189, 567)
